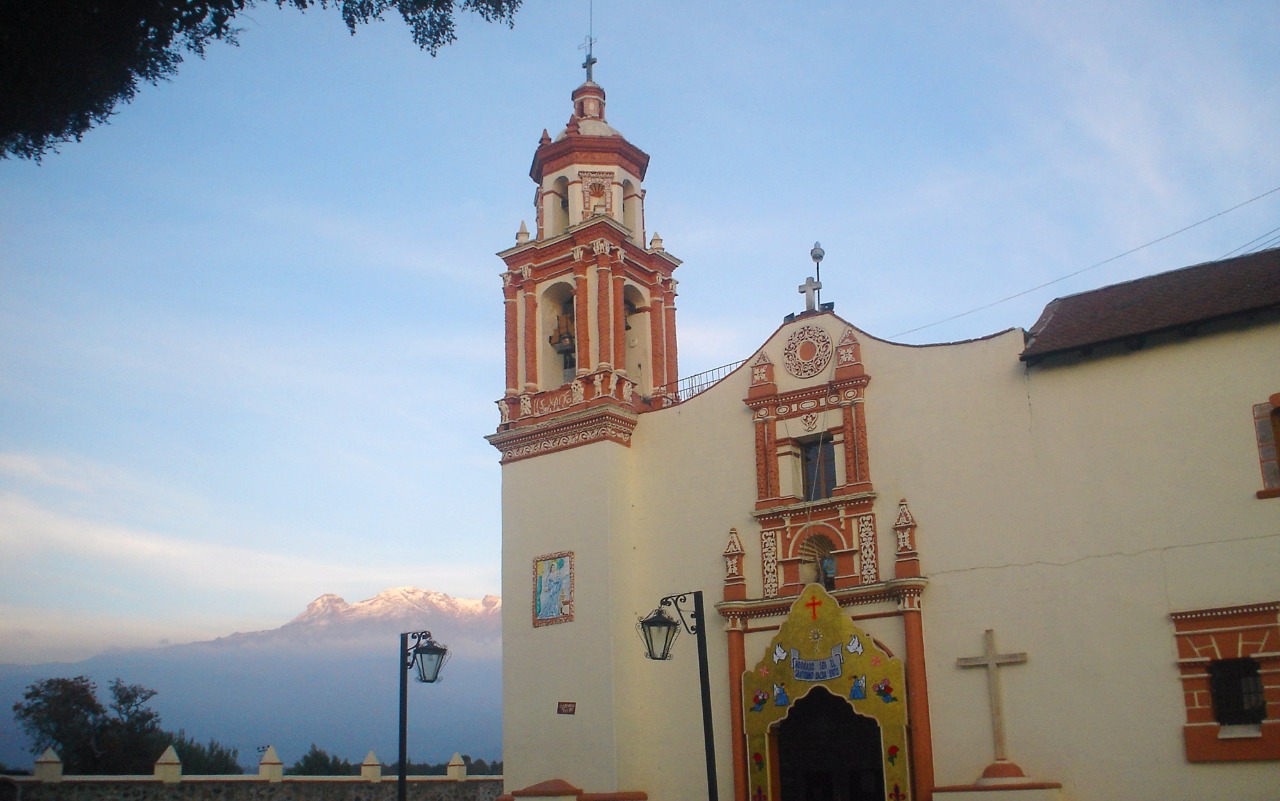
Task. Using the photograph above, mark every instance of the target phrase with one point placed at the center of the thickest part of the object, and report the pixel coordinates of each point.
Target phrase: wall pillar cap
(1002, 771)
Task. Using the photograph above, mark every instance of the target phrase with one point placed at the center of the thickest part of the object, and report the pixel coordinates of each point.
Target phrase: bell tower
(590, 308)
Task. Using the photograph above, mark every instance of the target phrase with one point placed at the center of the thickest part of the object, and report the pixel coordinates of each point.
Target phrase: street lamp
(428, 656)
(659, 630)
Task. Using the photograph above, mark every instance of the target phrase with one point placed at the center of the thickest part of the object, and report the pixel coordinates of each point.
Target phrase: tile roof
(1168, 301)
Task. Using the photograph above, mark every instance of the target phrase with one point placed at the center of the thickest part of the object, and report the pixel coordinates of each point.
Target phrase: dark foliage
(67, 64)
(122, 738)
(318, 762)
(475, 767)
(213, 759)
(63, 714)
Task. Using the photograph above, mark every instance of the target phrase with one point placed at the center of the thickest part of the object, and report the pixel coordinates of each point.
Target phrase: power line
(1093, 266)
(1251, 241)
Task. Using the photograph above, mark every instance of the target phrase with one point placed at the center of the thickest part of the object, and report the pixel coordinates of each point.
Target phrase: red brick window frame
(1266, 424)
(1206, 637)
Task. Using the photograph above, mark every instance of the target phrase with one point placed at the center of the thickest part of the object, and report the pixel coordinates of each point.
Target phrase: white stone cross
(808, 289)
(992, 661)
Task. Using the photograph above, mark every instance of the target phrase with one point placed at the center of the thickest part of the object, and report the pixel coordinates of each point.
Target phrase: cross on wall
(992, 662)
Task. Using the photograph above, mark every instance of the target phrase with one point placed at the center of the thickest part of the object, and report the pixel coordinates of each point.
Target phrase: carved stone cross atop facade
(992, 661)
(809, 289)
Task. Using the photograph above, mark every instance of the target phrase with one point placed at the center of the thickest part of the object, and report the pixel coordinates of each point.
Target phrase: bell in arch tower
(590, 307)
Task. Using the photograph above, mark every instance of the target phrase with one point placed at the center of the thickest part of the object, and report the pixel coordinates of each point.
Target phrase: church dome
(588, 113)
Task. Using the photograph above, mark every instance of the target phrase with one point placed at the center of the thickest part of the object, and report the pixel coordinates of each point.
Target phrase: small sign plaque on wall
(566, 707)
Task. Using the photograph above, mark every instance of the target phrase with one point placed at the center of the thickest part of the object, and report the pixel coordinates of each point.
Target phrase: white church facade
(1038, 565)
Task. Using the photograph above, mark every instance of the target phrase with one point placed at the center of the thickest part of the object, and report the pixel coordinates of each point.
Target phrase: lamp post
(428, 656)
(659, 630)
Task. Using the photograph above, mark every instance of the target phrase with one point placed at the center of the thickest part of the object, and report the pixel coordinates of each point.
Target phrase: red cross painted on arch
(897, 795)
(813, 605)
(759, 796)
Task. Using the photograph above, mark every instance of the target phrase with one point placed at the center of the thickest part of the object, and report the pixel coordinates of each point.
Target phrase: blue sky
(250, 332)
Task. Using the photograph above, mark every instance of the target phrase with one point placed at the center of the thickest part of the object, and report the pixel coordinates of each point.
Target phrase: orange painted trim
(987, 788)
(919, 727)
(583, 362)
(620, 327)
(1269, 493)
(657, 342)
(530, 340)
(737, 666)
(670, 351)
(511, 337)
(1203, 745)
(604, 317)
(632, 796)
(850, 444)
(595, 151)
(605, 423)
(551, 787)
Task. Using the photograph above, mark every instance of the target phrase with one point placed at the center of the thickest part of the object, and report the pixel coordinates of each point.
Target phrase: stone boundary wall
(270, 784)
(248, 788)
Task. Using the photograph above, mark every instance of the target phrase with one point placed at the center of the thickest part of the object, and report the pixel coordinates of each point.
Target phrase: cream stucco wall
(1069, 507)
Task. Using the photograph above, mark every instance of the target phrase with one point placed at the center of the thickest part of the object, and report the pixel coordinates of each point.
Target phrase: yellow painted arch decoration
(819, 646)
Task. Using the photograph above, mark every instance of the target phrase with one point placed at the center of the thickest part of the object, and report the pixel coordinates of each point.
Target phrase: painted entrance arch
(819, 646)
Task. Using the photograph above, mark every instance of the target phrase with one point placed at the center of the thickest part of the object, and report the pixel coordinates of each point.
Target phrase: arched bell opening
(555, 208)
(633, 211)
(558, 342)
(635, 308)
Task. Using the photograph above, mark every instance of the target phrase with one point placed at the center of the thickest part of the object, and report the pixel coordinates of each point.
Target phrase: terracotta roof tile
(1168, 301)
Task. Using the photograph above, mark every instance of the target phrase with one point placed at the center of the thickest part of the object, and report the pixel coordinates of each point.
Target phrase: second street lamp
(428, 656)
(659, 630)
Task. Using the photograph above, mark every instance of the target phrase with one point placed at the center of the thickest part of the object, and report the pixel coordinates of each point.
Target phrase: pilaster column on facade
(737, 666)
(530, 340)
(619, 325)
(917, 696)
(605, 314)
(511, 335)
(763, 459)
(851, 448)
(575, 202)
(658, 343)
(581, 322)
(537, 223)
(771, 455)
(861, 462)
(669, 331)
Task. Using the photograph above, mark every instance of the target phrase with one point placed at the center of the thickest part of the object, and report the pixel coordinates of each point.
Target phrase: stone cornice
(570, 431)
(858, 499)
(893, 590)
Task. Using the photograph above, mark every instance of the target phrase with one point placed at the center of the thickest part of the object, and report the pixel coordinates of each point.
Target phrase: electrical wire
(1251, 241)
(1090, 267)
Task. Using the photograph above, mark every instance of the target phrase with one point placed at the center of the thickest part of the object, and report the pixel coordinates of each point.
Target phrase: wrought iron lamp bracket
(692, 622)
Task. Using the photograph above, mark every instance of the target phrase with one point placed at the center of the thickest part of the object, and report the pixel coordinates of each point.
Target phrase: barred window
(1236, 687)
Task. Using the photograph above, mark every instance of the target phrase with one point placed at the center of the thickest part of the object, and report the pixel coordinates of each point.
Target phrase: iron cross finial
(587, 45)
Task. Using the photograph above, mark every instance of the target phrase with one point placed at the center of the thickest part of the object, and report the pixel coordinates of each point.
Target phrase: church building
(1038, 565)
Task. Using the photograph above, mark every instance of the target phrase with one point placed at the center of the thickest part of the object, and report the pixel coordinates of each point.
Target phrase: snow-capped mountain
(396, 604)
(332, 619)
(328, 676)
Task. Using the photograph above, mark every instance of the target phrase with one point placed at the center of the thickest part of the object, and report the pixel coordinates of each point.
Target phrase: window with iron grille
(1236, 688)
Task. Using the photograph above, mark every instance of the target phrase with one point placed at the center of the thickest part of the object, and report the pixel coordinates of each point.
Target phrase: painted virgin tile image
(553, 588)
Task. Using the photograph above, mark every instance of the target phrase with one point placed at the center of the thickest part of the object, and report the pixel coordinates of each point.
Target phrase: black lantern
(429, 657)
(659, 631)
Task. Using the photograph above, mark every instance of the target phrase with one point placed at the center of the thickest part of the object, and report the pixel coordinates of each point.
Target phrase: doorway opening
(828, 752)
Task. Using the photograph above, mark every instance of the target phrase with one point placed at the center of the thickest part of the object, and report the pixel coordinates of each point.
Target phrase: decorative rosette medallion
(807, 352)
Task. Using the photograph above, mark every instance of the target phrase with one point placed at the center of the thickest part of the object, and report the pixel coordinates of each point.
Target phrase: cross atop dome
(588, 45)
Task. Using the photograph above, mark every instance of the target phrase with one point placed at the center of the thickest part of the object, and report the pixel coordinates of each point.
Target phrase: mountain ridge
(326, 676)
